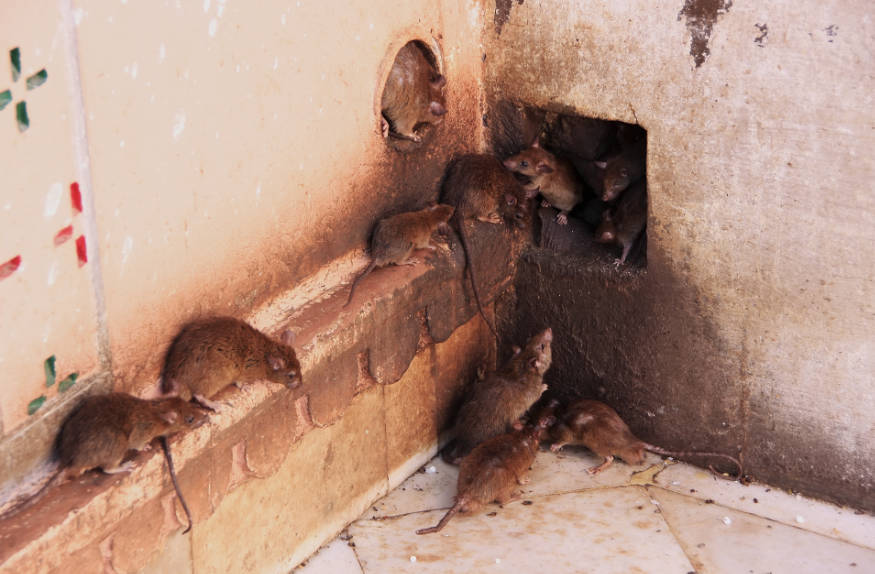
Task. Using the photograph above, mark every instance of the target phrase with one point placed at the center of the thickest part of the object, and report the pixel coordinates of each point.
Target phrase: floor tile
(761, 499)
(602, 531)
(337, 557)
(722, 540)
(432, 486)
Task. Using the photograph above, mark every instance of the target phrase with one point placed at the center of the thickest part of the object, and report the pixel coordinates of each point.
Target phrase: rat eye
(189, 419)
(524, 163)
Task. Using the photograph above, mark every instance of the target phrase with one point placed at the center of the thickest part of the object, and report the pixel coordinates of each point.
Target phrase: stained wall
(751, 328)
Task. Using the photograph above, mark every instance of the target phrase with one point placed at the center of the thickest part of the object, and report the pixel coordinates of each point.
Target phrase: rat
(480, 188)
(492, 471)
(102, 429)
(396, 237)
(209, 354)
(503, 397)
(626, 221)
(598, 427)
(554, 177)
(413, 95)
(622, 170)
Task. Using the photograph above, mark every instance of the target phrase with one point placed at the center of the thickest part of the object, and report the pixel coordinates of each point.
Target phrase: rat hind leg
(597, 469)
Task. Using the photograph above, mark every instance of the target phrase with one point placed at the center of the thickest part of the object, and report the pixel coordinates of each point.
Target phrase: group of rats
(495, 449)
(205, 357)
(617, 181)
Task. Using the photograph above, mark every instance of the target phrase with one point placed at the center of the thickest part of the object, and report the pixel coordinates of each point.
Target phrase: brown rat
(396, 237)
(626, 221)
(623, 169)
(209, 354)
(413, 94)
(492, 471)
(502, 398)
(598, 427)
(480, 188)
(102, 429)
(553, 176)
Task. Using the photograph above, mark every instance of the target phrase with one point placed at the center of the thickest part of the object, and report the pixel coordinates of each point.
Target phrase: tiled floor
(657, 518)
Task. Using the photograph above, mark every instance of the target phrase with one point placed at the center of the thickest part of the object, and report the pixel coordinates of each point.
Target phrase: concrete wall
(752, 327)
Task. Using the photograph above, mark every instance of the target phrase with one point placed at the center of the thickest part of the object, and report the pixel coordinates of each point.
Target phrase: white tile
(566, 471)
(599, 532)
(722, 540)
(336, 557)
(422, 491)
(774, 503)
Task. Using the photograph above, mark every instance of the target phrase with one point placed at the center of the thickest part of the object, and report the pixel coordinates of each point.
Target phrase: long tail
(166, 447)
(359, 278)
(687, 453)
(450, 513)
(470, 265)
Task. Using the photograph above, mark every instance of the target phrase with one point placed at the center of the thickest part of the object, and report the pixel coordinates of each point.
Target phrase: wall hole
(412, 102)
(599, 169)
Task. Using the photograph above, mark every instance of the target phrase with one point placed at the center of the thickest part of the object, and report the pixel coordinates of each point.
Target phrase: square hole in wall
(591, 172)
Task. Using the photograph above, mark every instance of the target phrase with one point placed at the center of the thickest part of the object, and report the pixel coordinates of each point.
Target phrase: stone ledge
(250, 440)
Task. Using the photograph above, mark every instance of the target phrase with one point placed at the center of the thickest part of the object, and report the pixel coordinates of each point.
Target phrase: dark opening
(605, 160)
(412, 103)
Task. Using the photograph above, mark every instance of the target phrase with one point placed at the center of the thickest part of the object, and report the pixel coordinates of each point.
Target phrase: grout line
(760, 516)
(693, 562)
(83, 172)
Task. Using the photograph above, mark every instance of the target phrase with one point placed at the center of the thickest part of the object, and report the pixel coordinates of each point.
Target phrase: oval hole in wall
(412, 102)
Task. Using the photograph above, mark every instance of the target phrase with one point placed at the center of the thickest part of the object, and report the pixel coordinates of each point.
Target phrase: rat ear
(510, 199)
(170, 416)
(276, 363)
(517, 425)
(600, 164)
(437, 109)
(534, 362)
(288, 337)
(536, 143)
(543, 167)
(440, 81)
(516, 350)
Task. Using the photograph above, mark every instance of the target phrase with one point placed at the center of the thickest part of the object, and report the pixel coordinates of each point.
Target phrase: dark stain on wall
(502, 13)
(701, 16)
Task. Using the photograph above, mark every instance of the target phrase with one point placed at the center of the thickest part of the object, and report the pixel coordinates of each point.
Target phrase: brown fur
(481, 189)
(627, 222)
(413, 95)
(599, 428)
(492, 472)
(210, 354)
(101, 430)
(395, 238)
(623, 169)
(555, 178)
(502, 398)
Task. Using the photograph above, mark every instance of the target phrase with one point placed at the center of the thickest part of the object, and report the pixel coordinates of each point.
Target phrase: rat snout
(548, 334)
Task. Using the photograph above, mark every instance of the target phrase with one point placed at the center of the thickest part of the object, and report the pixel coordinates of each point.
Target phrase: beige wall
(224, 153)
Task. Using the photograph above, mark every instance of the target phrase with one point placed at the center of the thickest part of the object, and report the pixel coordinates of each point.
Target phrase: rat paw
(545, 203)
(562, 219)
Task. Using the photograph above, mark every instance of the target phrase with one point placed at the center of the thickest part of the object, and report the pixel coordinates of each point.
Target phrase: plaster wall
(752, 327)
(224, 155)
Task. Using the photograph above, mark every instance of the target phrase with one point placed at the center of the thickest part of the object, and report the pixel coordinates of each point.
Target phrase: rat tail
(165, 446)
(443, 522)
(363, 274)
(687, 453)
(464, 237)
